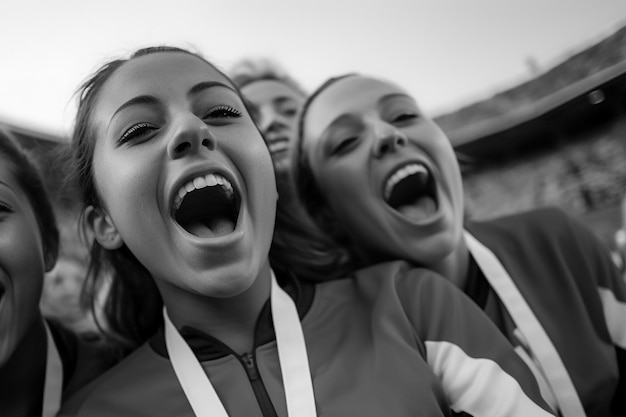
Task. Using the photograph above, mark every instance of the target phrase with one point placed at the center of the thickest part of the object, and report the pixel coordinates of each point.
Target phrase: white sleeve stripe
(615, 316)
(478, 386)
(544, 387)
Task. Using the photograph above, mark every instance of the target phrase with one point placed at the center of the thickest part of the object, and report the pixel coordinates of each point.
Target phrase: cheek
(122, 184)
(251, 152)
(345, 178)
(347, 192)
(22, 253)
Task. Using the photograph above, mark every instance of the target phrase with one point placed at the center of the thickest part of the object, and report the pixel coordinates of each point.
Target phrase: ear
(103, 228)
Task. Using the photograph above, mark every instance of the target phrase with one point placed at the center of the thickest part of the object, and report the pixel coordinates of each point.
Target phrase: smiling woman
(179, 191)
(39, 360)
(381, 177)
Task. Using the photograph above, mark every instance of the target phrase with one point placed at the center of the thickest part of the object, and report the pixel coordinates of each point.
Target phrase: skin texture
(277, 107)
(22, 263)
(191, 122)
(357, 133)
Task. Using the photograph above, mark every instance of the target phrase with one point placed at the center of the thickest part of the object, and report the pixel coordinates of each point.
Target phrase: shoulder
(396, 276)
(83, 358)
(129, 388)
(412, 288)
(544, 220)
(546, 231)
(550, 242)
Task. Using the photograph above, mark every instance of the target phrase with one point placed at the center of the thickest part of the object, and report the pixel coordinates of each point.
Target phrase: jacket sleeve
(478, 368)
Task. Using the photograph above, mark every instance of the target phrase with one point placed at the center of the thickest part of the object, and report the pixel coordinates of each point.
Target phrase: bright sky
(446, 52)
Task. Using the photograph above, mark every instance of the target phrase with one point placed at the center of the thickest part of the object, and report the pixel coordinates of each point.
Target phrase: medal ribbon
(528, 324)
(53, 385)
(292, 355)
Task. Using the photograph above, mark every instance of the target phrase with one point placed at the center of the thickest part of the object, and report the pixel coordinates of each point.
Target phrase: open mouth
(207, 206)
(279, 146)
(2, 291)
(411, 190)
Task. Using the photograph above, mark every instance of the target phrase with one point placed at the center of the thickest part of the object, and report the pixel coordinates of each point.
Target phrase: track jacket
(388, 341)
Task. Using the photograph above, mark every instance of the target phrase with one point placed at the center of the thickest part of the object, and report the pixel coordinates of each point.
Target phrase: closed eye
(136, 131)
(222, 112)
(290, 112)
(345, 145)
(405, 117)
(5, 209)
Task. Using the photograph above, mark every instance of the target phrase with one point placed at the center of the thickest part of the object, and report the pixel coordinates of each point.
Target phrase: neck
(22, 376)
(232, 320)
(454, 266)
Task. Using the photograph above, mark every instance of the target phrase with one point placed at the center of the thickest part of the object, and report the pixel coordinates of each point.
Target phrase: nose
(388, 141)
(271, 121)
(190, 135)
(275, 125)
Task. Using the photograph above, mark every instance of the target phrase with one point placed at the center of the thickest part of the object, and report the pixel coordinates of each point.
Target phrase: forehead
(351, 95)
(158, 74)
(265, 91)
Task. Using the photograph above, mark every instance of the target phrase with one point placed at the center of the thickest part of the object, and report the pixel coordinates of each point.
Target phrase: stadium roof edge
(536, 109)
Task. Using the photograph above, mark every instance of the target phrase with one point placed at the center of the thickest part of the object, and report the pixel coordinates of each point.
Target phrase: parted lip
(277, 144)
(198, 172)
(397, 167)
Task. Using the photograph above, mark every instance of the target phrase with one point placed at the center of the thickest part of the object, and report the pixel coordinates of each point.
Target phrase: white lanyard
(53, 386)
(294, 363)
(539, 342)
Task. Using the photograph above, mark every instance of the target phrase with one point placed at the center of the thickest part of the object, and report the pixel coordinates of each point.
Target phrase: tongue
(219, 226)
(422, 208)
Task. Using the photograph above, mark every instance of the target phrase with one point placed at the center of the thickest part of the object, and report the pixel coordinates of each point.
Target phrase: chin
(236, 280)
(234, 288)
(431, 250)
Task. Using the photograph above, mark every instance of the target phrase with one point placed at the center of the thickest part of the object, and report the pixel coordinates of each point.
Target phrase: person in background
(381, 178)
(41, 362)
(275, 100)
(61, 294)
(180, 194)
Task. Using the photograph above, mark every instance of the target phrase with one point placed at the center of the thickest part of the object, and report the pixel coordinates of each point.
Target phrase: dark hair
(307, 188)
(132, 309)
(300, 248)
(28, 177)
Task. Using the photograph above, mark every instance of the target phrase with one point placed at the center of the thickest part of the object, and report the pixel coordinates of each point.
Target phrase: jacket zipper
(262, 397)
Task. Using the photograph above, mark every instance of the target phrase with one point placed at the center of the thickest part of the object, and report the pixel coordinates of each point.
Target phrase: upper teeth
(198, 183)
(401, 174)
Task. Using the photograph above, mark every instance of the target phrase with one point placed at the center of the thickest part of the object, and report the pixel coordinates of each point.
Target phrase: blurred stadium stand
(559, 138)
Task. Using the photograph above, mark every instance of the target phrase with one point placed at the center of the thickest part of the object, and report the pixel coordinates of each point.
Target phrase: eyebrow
(143, 100)
(152, 101)
(206, 85)
(392, 96)
(284, 99)
(8, 187)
